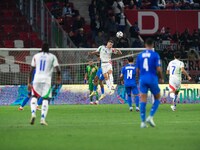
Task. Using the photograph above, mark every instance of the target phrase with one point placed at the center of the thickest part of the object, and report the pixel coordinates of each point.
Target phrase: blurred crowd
(162, 4)
(104, 25)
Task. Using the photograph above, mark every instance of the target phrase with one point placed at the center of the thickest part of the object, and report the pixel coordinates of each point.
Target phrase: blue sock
(25, 101)
(137, 99)
(129, 101)
(143, 111)
(40, 101)
(102, 90)
(154, 107)
(95, 88)
(175, 99)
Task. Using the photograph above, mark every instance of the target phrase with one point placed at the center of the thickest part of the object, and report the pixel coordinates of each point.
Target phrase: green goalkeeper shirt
(91, 71)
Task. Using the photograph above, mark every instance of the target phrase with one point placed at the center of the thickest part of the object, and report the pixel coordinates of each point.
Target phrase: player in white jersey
(175, 69)
(43, 63)
(106, 63)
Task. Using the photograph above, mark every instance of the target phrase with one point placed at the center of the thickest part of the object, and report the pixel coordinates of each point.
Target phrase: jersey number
(174, 67)
(145, 64)
(129, 74)
(42, 65)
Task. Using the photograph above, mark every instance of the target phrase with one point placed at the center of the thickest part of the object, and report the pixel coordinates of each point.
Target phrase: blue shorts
(149, 84)
(99, 74)
(132, 89)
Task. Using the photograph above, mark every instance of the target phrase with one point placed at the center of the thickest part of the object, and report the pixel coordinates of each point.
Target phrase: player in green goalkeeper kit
(90, 74)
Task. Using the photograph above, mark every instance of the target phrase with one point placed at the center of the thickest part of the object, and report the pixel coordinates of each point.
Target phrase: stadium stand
(14, 26)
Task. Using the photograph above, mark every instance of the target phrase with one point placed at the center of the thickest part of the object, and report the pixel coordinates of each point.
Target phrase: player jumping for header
(43, 64)
(149, 70)
(106, 63)
(175, 69)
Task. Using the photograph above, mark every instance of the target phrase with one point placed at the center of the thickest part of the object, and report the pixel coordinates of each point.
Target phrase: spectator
(166, 35)
(192, 54)
(67, 10)
(118, 7)
(100, 39)
(186, 39)
(95, 26)
(135, 36)
(81, 40)
(92, 10)
(157, 37)
(195, 40)
(122, 23)
(72, 36)
(161, 4)
(56, 9)
(154, 4)
(176, 37)
(110, 26)
(78, 23)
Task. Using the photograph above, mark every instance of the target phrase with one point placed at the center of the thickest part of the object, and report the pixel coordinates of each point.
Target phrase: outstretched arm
(94, 53)
(118, 51)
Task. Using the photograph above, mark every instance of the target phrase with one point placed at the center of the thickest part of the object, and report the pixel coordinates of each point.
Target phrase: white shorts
(106, 67)
(41, 89)
(174, 84)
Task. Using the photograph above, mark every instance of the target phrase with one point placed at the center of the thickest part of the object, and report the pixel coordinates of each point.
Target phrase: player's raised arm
(117, 51)
(94, 53)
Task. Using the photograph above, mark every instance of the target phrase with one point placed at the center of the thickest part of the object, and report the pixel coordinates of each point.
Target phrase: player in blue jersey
(128, 73)
(26, 99)
(98, 80)
(149, 71)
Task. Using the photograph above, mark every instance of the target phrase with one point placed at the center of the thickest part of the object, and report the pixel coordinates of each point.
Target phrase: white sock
(108, 84)
(111, 79)
(172, 95)
(45, 106)
(33, 105)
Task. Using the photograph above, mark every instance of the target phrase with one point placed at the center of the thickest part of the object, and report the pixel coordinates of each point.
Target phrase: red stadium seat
(33, 36)
(23, 36)
(37, 43)
(8, 28)
(7, 13)
(8, 44)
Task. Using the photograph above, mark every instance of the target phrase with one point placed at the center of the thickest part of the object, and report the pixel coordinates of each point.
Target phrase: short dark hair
(177, 54)
(45, 47)
(149, 42)
(130, 59)
(111, 41)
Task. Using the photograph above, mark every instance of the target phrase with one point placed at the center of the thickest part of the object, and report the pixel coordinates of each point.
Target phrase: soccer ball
(119, 34)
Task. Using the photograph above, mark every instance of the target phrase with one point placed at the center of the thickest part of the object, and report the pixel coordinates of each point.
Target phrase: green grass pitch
(102, 127)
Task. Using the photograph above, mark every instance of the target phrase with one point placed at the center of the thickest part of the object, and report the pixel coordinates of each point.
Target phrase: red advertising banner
(149, 22)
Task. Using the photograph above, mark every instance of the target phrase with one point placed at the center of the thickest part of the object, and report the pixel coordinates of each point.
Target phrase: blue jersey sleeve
(138, 62)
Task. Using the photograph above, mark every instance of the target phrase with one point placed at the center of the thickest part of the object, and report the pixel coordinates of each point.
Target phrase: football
(119, 34)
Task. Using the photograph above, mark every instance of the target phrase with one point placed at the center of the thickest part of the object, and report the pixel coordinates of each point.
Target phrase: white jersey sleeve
(33, 64)
(55, 61)
(99, 49)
